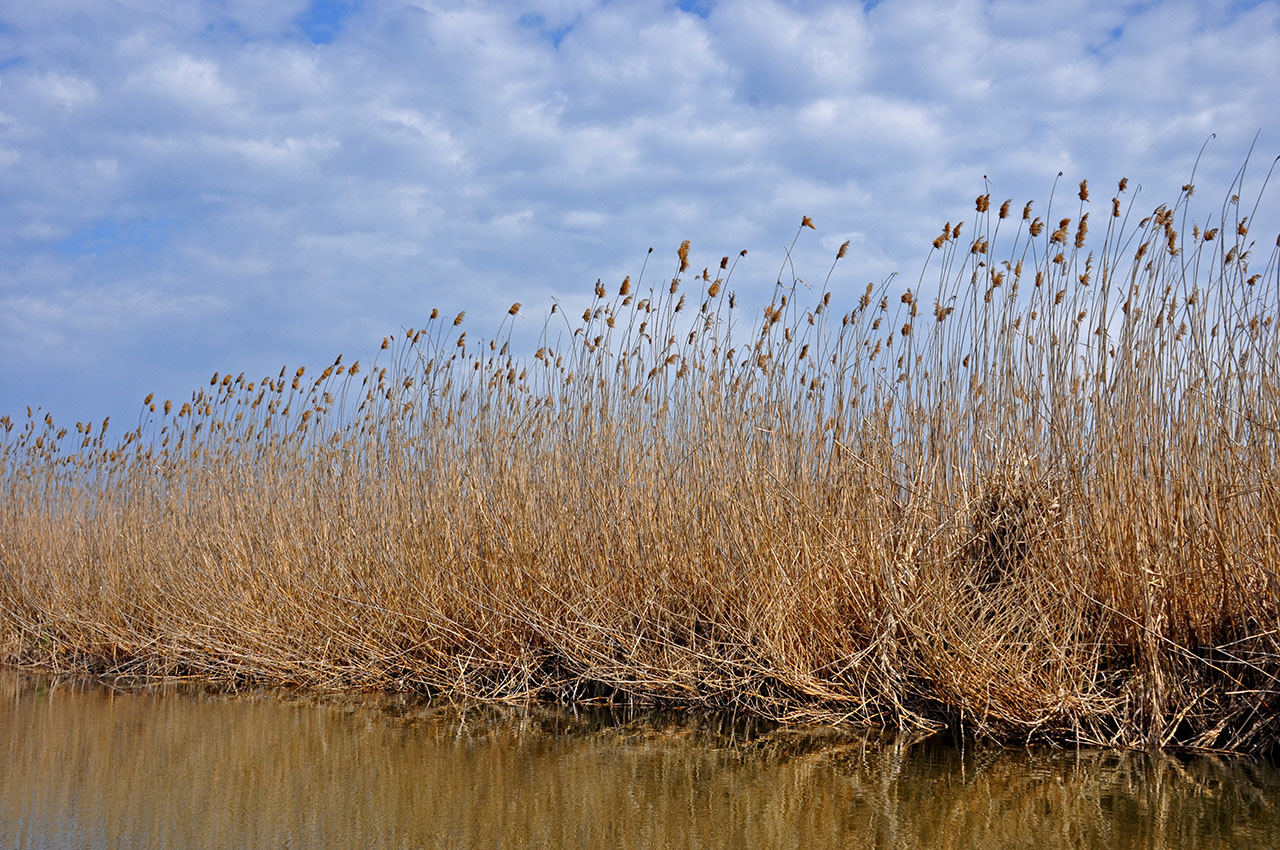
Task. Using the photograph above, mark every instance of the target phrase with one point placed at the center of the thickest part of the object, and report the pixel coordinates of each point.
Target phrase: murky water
(86, 766)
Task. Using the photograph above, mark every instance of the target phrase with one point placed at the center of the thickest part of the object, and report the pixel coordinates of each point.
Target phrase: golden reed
(1049, 510)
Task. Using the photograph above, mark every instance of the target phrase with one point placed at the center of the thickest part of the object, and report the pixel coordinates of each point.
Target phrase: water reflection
(87, 766)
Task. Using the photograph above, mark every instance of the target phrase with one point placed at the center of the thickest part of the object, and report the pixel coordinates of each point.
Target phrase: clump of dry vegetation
(1033, 498)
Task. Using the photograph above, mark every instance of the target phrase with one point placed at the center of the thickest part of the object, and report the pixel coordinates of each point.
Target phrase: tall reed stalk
(1033, 498)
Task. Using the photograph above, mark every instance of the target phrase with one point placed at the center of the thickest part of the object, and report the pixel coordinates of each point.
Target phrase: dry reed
(1034, 498)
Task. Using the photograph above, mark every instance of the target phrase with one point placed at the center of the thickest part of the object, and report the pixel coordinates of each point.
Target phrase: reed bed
(1032, 498)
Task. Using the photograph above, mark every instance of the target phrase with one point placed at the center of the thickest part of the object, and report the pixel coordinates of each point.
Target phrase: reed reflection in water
(86, 766)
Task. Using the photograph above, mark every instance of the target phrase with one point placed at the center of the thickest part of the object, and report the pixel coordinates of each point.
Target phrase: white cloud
(65, 91)
(193, 186)
(188, 81)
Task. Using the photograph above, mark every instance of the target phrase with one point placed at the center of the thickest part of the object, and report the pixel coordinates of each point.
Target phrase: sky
(233, 185)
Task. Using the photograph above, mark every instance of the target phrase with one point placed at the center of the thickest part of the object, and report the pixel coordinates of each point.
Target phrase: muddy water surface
(85, 766)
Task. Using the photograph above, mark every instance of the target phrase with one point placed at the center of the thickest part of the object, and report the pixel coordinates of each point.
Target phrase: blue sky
(232, 186)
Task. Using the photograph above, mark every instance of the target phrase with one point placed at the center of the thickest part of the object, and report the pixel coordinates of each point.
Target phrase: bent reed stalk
(1032, 499)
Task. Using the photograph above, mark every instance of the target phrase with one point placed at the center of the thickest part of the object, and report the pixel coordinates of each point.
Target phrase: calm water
(85, 766)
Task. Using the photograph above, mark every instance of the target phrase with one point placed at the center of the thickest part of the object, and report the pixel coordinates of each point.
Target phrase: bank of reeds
(1032, 498)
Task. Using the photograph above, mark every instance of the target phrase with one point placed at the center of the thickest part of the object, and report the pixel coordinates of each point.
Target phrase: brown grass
(1029, 498)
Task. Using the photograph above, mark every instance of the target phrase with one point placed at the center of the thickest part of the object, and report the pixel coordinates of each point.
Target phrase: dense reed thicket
(1035, 497)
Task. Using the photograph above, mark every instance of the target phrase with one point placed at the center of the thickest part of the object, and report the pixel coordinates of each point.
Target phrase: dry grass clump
(1033, 498)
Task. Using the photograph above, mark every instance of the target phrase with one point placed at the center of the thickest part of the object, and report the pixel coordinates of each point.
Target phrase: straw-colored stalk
(1039, 504)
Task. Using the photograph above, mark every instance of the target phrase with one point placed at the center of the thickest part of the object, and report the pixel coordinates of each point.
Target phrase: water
(84, 766)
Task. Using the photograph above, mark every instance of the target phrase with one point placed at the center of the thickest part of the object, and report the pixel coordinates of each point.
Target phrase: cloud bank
(233, 186)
